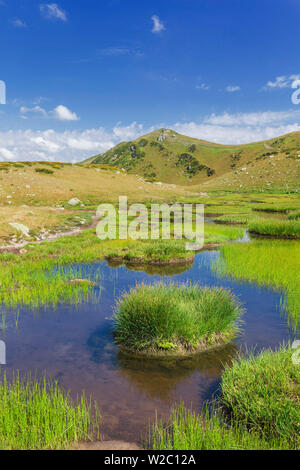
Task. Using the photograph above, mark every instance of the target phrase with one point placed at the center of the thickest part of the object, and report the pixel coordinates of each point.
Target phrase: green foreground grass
(175, 318)
(275, 264)
(37, 415)
(258, 410)
(267, 398)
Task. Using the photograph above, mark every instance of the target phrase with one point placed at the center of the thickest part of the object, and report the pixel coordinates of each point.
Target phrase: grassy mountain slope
(164, 155)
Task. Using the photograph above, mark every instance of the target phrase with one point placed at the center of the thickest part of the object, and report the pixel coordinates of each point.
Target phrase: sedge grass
(263, 394)
(177, 318)
(274, 264)
(233, 219)
(186, 430)
(294, 215)
(37, 415)
(258, 409)
(275, 228)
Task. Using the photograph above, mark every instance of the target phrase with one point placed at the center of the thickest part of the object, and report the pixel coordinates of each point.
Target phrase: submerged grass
(180, 318)
(257, 410)
(37, 415)
(275, 264)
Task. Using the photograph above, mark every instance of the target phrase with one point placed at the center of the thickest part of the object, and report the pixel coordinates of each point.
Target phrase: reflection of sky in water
(74, 344)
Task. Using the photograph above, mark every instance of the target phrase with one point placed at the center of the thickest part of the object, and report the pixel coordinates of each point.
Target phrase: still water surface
(74, 345)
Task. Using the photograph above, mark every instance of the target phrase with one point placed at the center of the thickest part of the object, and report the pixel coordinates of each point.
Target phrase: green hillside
(166, 156)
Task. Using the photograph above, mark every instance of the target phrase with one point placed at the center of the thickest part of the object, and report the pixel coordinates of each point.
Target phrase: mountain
(166, 156)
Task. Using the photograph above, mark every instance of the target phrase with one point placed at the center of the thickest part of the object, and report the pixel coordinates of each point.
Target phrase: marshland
(125, 340)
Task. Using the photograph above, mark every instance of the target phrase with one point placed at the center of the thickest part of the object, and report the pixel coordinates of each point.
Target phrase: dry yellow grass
(37, 219)
(31, 198)
(277, 171)
(90, 185)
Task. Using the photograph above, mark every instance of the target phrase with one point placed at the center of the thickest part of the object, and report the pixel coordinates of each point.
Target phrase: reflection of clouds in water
(101, 346)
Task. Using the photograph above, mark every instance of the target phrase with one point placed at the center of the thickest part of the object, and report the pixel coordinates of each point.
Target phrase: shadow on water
(75, 346)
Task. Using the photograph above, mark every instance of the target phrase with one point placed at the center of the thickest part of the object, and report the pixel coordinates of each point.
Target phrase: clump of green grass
(233, 219)
(176, 318)
(165, 250)
(186, 430)
(263, 393)
(274, 264)
(45, 171)
(37, 415)
(278, 207)
(275, 228)
(294, 216)
(258, 410)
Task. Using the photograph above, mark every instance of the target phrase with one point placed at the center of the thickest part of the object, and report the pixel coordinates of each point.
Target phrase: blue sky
(83, 75)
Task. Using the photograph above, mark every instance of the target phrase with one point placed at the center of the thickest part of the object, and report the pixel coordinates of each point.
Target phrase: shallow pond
(74, 345)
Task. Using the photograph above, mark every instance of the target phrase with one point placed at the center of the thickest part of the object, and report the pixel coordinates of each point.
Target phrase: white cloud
(242, 128)
(252, 119)
(36, 110)
(232, 88)
(63, 146)
(17, 23)
(158, 25)
(75, 146)
(296, 83)
(62, 113)
(53, 11)
(202, 86)
(6, 154)
(283, 81)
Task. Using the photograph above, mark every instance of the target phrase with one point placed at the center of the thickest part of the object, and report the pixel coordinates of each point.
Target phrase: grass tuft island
(175, 319)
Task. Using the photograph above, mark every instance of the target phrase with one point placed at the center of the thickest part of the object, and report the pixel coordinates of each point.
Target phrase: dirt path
(16, 247)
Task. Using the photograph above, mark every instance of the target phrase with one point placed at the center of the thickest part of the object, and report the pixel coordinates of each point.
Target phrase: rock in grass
(21, 228)
(74, 202)
(175, 319)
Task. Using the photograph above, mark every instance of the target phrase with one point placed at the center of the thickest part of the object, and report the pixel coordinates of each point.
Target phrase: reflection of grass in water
(159, 377)
(270, 263)
(262, 412)
(38, 416)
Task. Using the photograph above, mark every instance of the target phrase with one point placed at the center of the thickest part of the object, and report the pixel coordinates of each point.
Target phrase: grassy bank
(275, 228)
(186, 430)
(294, 215)
(258, 410)
(39, 416)
(274, 264)
(233, 219)
(176, 318)
(267, 399)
